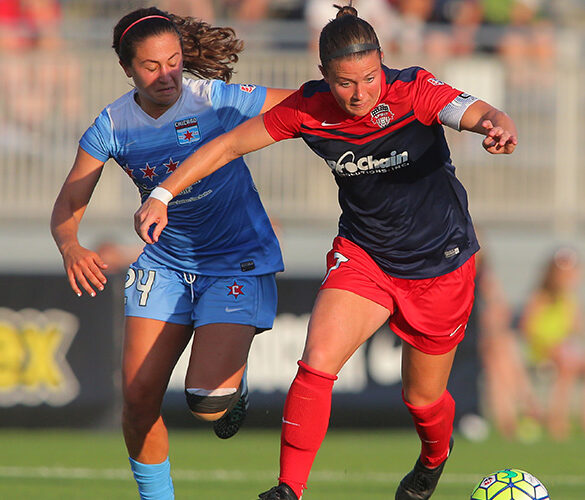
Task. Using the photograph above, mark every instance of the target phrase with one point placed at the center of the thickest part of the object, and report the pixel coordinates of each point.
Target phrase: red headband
(137, 21)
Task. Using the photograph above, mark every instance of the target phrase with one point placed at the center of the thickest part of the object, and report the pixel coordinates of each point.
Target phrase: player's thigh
(241, 300)
(228, 313)
(153, 291)
(151, 350)
(424, 376)
(341, 321)
(218, 355)
(158, 307)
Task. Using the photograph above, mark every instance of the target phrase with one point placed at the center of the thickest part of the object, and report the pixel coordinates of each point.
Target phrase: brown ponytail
(208, 52)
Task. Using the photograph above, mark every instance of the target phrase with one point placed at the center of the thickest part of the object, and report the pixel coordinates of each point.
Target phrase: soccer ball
(510, 484)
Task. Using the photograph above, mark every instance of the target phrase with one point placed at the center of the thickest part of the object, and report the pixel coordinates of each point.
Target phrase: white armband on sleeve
(451, 114)
(161, 194)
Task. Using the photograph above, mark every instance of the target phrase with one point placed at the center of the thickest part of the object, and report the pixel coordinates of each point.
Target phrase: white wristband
(161, 194)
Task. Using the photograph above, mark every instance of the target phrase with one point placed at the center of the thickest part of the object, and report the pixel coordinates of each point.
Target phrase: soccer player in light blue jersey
(211, 274)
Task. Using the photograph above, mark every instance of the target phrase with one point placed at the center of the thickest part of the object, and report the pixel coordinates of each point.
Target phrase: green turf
(91, 465)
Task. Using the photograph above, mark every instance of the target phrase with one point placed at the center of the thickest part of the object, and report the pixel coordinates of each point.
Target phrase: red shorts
(430, 314)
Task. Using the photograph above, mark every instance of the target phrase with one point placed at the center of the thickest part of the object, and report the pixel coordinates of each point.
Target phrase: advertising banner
(59, 353)
(60, 361)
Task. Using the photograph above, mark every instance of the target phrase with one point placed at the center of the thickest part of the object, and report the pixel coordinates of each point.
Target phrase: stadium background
(59, 354)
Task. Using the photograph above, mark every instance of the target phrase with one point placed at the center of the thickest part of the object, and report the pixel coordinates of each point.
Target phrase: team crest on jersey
(247, 88)
(187, 131)
(381, 115)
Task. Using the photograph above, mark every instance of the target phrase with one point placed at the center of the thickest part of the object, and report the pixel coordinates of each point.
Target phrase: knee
(141, 404)
(422, 396)
(141, 401)
(323, 359)
(137, 416)
(211, 405)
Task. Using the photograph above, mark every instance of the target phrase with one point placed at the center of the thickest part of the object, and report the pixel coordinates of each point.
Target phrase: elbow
(231, 152)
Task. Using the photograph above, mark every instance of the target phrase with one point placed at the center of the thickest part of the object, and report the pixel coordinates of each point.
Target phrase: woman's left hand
(152, 212)
(498, 140)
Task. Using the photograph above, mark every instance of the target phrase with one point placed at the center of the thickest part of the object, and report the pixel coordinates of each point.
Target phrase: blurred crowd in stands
(516, 29)
(440, 28)
(39, 60)
(51, 32)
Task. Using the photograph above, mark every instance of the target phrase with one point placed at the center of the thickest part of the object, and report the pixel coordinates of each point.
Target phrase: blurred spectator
(551, 323)
(456, 26)
(509, 396)
(210, 10)
(528, 35)
(29, 23)
(201, 9)
(414, 15)
(44, 78)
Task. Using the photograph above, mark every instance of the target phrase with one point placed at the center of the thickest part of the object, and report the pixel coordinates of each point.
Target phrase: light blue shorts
(156, 292)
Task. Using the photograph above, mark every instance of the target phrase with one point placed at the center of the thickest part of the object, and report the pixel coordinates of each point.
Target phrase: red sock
(304, 424)
(434, 425)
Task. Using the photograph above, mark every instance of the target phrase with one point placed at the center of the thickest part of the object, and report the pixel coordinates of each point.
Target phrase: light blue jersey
(217, 226)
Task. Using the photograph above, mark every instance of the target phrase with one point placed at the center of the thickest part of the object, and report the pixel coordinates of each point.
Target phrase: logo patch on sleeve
(247, 88)
(435, 81)
(187, 131)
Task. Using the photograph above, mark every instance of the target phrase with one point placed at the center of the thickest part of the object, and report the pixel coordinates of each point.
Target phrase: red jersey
(400, 199)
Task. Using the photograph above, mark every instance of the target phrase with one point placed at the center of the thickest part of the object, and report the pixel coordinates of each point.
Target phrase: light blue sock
(154, 480)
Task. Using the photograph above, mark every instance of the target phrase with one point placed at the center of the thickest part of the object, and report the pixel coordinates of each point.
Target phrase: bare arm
(83, 267)
(497, 126)
(249, 136)
(273, 97)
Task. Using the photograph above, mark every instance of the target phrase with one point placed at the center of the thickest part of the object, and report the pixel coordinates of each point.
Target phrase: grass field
(364, 465)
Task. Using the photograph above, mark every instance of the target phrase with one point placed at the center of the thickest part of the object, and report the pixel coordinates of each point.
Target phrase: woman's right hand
(152, 212)
(84, 269)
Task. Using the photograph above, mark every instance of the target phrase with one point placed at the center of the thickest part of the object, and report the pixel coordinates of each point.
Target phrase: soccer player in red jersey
(405, 248)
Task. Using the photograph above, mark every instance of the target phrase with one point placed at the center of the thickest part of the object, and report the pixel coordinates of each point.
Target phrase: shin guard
(304, 424)
(434, 425)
